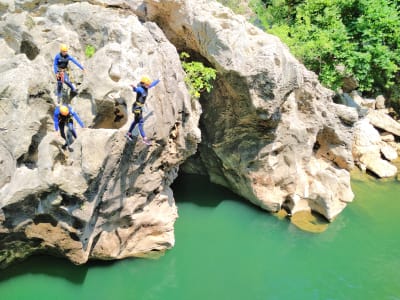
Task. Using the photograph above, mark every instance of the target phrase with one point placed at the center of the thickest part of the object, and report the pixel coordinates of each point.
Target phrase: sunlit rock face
(270, 131)
(109, 198)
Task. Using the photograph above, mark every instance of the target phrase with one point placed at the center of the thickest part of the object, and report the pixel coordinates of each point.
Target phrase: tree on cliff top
(361, 35)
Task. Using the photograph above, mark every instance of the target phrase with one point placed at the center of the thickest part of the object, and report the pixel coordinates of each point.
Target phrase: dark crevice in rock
(42, 208)
(18, 213)
(70, 201)
(111, 114)
(78, 224)
(16, 246)
(316, 147)
(94, 243)
(30, 49)
(121, 6)
(45, 218)
(74, 236)
(195, 56)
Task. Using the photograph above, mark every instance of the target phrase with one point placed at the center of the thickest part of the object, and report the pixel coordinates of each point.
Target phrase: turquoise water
(228, 249)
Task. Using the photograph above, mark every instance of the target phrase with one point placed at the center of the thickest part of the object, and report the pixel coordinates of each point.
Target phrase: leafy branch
(199, 78)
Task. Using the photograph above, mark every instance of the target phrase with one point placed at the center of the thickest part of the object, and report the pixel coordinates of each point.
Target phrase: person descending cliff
(63, 115)
(60, 66)
(137, 108)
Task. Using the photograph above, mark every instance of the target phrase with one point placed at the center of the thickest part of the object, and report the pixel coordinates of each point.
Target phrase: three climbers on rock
(64, 114)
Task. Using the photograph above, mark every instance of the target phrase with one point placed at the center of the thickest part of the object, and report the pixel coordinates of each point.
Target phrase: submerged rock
(311, 222)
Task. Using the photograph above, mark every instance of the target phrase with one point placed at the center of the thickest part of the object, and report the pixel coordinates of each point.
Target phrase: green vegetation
(198, 77)
(89, 51)
(236, 6)
(363, 36)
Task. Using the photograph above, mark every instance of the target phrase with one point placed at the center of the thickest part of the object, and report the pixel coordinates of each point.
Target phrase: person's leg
(128, 135)
(141, 130)
(68, 82)
(71, 133)
(59, 88)
(62, 132)
(71, 127)
(133, 124)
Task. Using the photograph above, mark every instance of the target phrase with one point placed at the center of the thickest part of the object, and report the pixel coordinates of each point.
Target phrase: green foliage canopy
(237, 6)
(361, 35)
(199, 78)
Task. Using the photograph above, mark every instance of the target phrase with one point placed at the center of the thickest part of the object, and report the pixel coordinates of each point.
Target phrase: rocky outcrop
(381, 120)
(108, 199)
(375, 148)
(369, 150)
(270, 131)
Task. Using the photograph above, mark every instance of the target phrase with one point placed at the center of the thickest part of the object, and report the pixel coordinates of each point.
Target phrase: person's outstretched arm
(154, 83)
(71, 58)
(76, 117)
(138, 89)
(55, 66)
(55, 118)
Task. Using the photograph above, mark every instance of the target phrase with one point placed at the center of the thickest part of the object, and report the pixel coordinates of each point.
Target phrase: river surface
(229, 249)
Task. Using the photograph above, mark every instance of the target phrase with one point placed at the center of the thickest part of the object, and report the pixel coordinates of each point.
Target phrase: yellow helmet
(145, 80)
(63, 47)
(64, 110)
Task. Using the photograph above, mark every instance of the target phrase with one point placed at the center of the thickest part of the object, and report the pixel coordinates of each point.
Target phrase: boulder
(380, 102)
(368, 149)
(383, 121)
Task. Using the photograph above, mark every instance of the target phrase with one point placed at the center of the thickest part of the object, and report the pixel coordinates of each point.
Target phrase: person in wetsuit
(63, 115)
(137, 108)
(60, 66)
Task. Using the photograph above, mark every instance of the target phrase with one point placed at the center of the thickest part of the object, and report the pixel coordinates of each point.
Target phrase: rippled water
(229, 249)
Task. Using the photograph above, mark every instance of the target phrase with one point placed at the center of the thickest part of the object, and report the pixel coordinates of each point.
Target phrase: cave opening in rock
(111, 114)
(197, 189)
(30, 49)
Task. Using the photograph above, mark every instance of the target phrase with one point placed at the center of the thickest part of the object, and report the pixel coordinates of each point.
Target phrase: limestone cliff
(270, 131)
(108, 198)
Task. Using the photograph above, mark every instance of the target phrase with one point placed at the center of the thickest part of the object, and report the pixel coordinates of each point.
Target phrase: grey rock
(108, 199)
(381, 120)
(268, 120)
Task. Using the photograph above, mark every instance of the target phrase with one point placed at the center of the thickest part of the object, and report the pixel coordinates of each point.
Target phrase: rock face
(270, 131)
(375, 151)
(107, 199)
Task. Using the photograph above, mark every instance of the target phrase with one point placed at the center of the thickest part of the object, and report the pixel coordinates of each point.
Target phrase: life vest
(140, 100)
(65, 119)
(62, 62)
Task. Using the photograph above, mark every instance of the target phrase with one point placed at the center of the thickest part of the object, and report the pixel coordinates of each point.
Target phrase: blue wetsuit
(60, 121)
(137, 107)
(61, 63)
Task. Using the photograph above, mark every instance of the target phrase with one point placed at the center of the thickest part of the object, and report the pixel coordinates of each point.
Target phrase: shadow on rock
(50, 266)
(199, 190)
